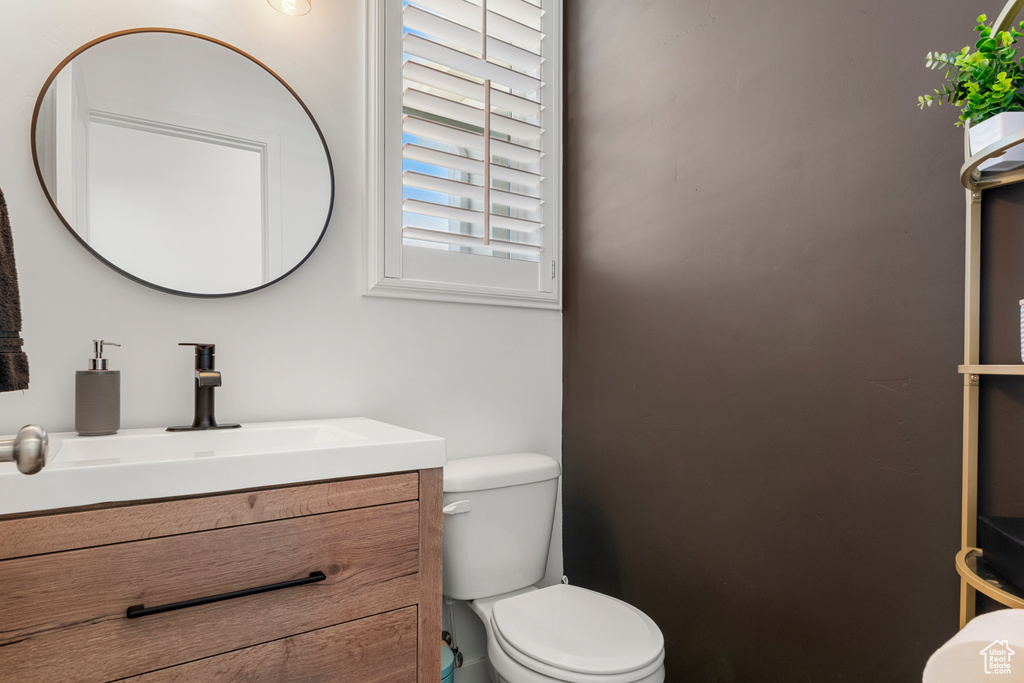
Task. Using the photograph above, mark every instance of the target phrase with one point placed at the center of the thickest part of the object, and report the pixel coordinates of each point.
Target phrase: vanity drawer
(53, 531)
(378, 649)
(63, 615)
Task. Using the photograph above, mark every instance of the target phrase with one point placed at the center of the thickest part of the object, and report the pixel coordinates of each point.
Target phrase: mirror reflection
(182, 163)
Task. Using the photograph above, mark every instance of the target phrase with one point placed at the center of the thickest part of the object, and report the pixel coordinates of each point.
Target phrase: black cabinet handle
(142, 611)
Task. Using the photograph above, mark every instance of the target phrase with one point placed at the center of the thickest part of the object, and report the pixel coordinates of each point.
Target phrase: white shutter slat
(454, 188)
(414, 125)
(452, 213)
(455, 162)
(525, 13)
(515, 200)
(507, 174)
(457, 10)
(458, 213)
(435, 78)
(521, 59)
(458, 188)
(414, 220)
(439, 106)
(441, 30)
(516, 129)
(511, 31)
(457, 85)
(460, 61)
(467, 241)
(499, 26)
(436, 157)
(516, 224)
(516, 153)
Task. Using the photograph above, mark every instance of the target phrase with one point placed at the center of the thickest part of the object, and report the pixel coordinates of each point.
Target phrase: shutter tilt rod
(487, 126)
(487, 161)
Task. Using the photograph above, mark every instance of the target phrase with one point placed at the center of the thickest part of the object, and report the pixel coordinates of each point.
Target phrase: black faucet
(207, 379)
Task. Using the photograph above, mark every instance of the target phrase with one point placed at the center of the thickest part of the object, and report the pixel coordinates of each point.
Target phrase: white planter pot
(993, 130)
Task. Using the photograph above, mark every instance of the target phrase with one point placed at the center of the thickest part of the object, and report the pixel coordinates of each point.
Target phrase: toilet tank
(498, 527)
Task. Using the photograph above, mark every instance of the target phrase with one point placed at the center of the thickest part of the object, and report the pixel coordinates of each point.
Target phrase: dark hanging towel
(13, 361)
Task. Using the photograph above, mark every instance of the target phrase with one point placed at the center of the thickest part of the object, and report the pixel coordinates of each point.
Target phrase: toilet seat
(576, 635)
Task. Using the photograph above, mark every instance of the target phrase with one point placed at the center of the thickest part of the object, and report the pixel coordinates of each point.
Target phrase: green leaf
(982, 82)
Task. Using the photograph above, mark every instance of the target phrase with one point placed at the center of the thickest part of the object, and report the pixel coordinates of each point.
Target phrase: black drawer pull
(142, 611)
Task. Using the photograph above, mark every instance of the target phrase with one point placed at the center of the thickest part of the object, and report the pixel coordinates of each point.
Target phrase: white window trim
(381, 60)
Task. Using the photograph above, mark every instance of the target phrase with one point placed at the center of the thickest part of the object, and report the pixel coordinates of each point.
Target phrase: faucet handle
(204, 354)
(204, 347)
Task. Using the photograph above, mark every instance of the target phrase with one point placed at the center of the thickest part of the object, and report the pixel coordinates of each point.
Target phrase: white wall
(309, 346)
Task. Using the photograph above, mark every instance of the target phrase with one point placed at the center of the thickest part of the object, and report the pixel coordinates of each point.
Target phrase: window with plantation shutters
(467, 151)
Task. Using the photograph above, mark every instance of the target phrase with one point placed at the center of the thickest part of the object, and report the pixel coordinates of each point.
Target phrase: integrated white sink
(141, 464)
(145, 445)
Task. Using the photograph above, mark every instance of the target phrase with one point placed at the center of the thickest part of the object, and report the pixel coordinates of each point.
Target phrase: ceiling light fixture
(291, 7)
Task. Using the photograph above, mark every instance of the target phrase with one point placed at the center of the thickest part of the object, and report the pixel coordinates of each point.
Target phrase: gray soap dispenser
(98, 395)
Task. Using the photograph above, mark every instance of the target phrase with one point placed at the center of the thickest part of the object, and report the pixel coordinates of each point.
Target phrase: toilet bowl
(499, 513)
(571, 634)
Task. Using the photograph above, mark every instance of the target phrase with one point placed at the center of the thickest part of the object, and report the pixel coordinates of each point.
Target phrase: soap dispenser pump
(98, 395)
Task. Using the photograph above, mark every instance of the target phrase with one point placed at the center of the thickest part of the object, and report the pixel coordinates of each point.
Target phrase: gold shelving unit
(970, 562)
(991, 369)
(975, 574)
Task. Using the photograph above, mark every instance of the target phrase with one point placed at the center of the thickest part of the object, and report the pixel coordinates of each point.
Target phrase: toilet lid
(575, 629)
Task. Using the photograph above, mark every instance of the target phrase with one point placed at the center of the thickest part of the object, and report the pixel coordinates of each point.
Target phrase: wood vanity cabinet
(69, 577)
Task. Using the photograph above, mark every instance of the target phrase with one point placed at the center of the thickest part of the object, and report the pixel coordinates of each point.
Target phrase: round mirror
(182, 163)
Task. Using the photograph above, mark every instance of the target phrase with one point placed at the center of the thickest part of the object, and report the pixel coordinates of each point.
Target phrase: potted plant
(986, 84)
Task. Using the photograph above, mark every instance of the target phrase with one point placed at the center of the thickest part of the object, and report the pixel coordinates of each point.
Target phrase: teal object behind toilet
(447, 664)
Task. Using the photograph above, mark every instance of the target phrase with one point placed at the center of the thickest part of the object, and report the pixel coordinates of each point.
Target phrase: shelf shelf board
(988, 179)
(990, 369)
(979, 574)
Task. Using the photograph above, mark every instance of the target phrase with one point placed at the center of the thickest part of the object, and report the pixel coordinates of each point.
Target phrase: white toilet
(499, 513)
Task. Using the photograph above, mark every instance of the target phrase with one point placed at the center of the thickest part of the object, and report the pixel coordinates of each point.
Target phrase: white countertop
(142, 464)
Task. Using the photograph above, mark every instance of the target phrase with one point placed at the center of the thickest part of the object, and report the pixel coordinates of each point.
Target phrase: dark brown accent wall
(763, 318)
